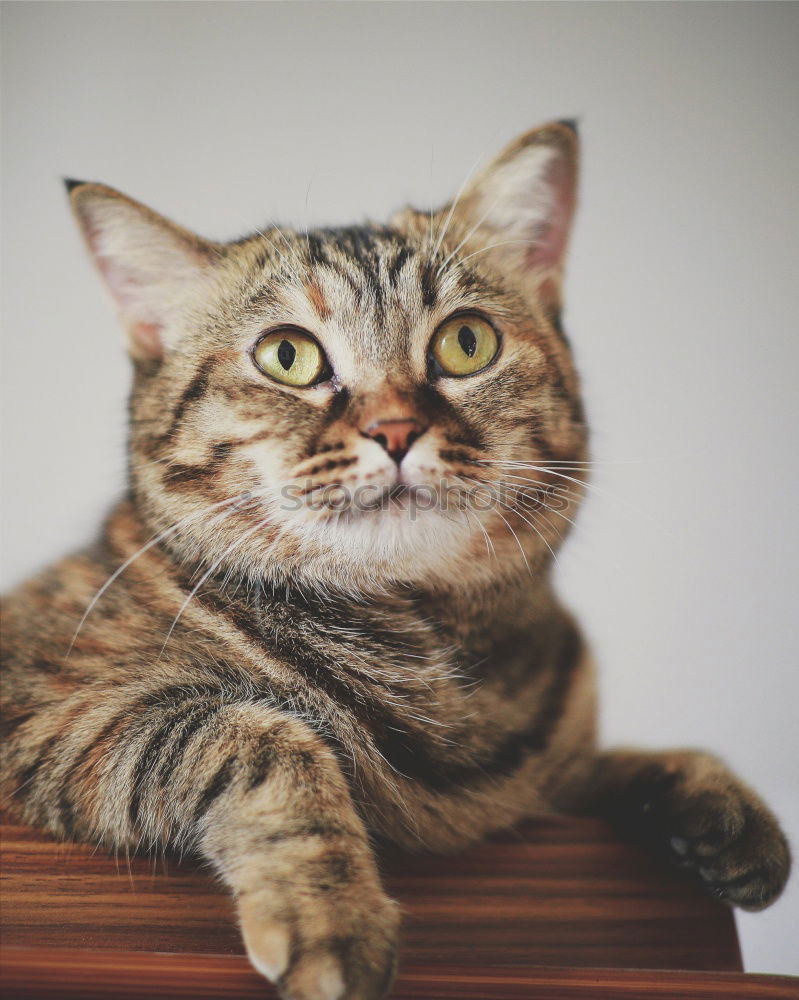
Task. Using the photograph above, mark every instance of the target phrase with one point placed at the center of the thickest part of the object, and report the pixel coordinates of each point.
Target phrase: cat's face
(360, 406)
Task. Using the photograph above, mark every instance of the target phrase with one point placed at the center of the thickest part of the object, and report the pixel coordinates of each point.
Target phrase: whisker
(586, 462)
(488, 539)
(553, 510)
(493, 246)
(566, 491)
(471, 233)
(553, 472)
(515, 510)
(307, 212)
(521, 549)
(204, 577)
(509, 526)
(456, 199)
(432, 153)
(292, 249)
(285, 264)
(461, 189)
(490, 550)
(145, 548)
(583, 483)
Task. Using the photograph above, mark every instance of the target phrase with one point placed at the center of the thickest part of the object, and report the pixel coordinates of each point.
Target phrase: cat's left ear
(518, 210)
(153, 268)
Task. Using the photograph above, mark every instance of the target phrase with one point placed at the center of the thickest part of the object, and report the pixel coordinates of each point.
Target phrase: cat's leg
(251, 787)
(690, 806)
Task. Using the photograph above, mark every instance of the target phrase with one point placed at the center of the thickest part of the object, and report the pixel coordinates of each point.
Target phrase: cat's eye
(464, 345)
(290, 356)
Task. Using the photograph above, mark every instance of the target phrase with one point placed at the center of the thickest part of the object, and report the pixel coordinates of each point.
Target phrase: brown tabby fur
(337, 678)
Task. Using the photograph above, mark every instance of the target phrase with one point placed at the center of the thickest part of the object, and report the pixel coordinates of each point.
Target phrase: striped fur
(275, 684)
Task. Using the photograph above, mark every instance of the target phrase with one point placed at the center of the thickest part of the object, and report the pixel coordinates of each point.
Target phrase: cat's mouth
(394, 500)
(384, 496)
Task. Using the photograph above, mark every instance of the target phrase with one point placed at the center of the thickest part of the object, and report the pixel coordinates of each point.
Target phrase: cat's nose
(396, 436)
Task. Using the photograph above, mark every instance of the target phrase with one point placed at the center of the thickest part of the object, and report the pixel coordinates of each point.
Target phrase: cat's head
(362, 406)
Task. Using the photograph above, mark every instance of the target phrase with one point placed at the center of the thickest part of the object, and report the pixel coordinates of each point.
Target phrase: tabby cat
(322, 615)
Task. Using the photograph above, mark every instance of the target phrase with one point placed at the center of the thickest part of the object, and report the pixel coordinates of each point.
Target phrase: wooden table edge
(66, 972)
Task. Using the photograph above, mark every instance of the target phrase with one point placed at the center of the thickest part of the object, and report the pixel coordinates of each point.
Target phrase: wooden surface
(46, 974)
(518, 917)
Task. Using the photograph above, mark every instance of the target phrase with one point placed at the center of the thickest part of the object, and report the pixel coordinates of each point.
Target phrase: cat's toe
(733, 844)
(702, 824)
(691, 807)
(268, 947)
(314, 977)
(752, 871)
(319, 951)
(340, 969)
(689, 821)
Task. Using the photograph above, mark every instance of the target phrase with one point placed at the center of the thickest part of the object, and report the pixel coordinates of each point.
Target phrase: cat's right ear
(519, 209)
(152, 267)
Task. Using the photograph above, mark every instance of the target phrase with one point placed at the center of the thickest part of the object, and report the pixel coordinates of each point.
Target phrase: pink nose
(396, 436)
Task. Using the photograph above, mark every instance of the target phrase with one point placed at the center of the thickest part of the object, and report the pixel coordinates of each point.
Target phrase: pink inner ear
(147, 338)
(553, 233)
(127, 293)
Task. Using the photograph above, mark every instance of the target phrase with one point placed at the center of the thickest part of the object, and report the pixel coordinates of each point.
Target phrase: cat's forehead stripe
(373, 266)
(317, 299)
(395, 267)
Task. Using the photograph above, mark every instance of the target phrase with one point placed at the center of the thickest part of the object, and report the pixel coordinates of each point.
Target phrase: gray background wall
(682, 289)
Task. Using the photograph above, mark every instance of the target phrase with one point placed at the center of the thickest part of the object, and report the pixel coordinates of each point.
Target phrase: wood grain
(42, 974)
(489, 923)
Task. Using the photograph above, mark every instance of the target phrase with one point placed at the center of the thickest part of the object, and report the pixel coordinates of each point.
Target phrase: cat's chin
(397, 525)
(364, 548)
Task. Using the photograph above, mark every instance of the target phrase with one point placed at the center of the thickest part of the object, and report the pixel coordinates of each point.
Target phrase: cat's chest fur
(422, 702)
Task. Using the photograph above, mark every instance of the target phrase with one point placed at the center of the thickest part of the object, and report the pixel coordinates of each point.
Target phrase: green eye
(291, 357)
(464, 345)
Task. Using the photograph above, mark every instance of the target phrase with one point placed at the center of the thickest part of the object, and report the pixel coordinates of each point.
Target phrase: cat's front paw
(715, 825)
(317, 940)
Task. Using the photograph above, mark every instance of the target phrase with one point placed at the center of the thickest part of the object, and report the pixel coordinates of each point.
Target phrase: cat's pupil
(286, 354)
(467, 340)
